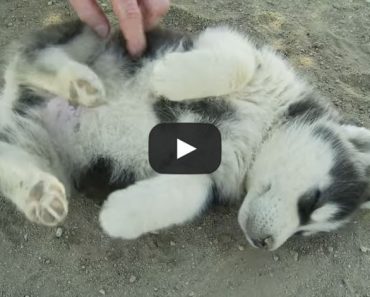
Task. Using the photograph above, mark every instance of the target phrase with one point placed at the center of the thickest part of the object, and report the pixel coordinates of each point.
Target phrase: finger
(154, 11)
(131, 23)
(91, 14)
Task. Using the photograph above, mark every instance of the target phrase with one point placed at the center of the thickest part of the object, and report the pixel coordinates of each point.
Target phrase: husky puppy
(73, 102)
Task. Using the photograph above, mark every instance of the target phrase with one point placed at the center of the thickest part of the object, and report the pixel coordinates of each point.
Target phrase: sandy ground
(330, 44)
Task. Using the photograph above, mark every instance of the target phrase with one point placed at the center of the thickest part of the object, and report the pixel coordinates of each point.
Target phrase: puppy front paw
(119, 220)
(169, 77)
(82, 86)
(201, 74)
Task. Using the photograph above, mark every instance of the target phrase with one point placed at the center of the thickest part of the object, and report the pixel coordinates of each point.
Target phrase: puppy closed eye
(307, 204)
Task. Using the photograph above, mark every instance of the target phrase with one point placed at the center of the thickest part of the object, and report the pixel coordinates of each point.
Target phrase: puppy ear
(359, 137)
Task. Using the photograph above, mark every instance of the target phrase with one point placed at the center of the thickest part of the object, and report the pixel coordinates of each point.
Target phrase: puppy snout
(266, 242)
(257, 232)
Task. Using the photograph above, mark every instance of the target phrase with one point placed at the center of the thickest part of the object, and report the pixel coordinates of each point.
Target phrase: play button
(185, 148)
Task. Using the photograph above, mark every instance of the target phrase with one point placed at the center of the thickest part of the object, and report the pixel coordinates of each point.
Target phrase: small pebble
(155, 289)
(191, 294)
(132, 279)
(241, 248)
(172, 243)
(296, 256)
(59, 232)
(276, 258)
(25, 236)
(50, 3)
(364, 249)
(330, 249)
(102, 292)
(10, 24)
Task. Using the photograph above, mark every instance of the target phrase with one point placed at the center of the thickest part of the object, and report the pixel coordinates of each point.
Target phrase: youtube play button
(185, 148)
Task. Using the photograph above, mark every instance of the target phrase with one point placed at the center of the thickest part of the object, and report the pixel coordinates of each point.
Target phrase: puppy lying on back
(72, 102)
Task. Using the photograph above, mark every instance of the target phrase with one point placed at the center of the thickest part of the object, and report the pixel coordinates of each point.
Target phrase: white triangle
(183, 149)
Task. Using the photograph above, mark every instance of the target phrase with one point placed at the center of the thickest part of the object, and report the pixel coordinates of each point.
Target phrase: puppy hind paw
(47, 203)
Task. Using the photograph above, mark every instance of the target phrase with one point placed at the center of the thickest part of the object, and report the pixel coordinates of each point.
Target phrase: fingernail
(136, 49)
(102, 30)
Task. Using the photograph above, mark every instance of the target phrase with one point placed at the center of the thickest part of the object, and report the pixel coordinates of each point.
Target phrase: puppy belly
(60, 117)
(62, 121)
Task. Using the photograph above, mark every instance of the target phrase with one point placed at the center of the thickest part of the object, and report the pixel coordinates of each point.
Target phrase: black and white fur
(72, 102)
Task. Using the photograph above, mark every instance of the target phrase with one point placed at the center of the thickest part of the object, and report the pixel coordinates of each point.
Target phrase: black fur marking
(4, 137)
(167, 111)
(215, 196)
(52, 35)
(211, 110)
(95, 182)
(158, 42)
(348, 187)
(361, 145)
(7, 135)
(117, 45)
(368, 171)
(212, 198)
(308, 110)
(367, 194)
(26, 101)
(307, 203)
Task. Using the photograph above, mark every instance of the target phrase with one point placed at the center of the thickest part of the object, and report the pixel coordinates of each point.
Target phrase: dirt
(329, 43)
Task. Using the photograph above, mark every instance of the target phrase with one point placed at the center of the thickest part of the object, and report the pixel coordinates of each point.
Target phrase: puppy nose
(264, 243)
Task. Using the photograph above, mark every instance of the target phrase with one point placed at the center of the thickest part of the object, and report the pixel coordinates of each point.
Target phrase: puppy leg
(154, 204)
(54, 71)
(38, 194)
(222, 62)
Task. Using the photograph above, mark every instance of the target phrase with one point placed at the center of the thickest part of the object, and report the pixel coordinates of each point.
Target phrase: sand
(329, 43)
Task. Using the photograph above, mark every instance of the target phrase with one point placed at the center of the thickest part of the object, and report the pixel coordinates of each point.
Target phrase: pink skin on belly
(61, 117)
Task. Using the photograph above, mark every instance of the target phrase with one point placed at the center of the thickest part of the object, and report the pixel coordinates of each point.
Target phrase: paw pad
(83, 86)
(47, 204)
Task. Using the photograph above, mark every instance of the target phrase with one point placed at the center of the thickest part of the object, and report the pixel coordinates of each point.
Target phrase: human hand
(134, 16)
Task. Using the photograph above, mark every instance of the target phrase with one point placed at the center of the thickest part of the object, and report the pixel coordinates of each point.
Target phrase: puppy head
(307, 178)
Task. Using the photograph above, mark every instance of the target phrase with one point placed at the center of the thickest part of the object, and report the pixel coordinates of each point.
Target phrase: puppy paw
(171, 77)
(119, 221)
(200, 74)
(47, 203)
(82, 86)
